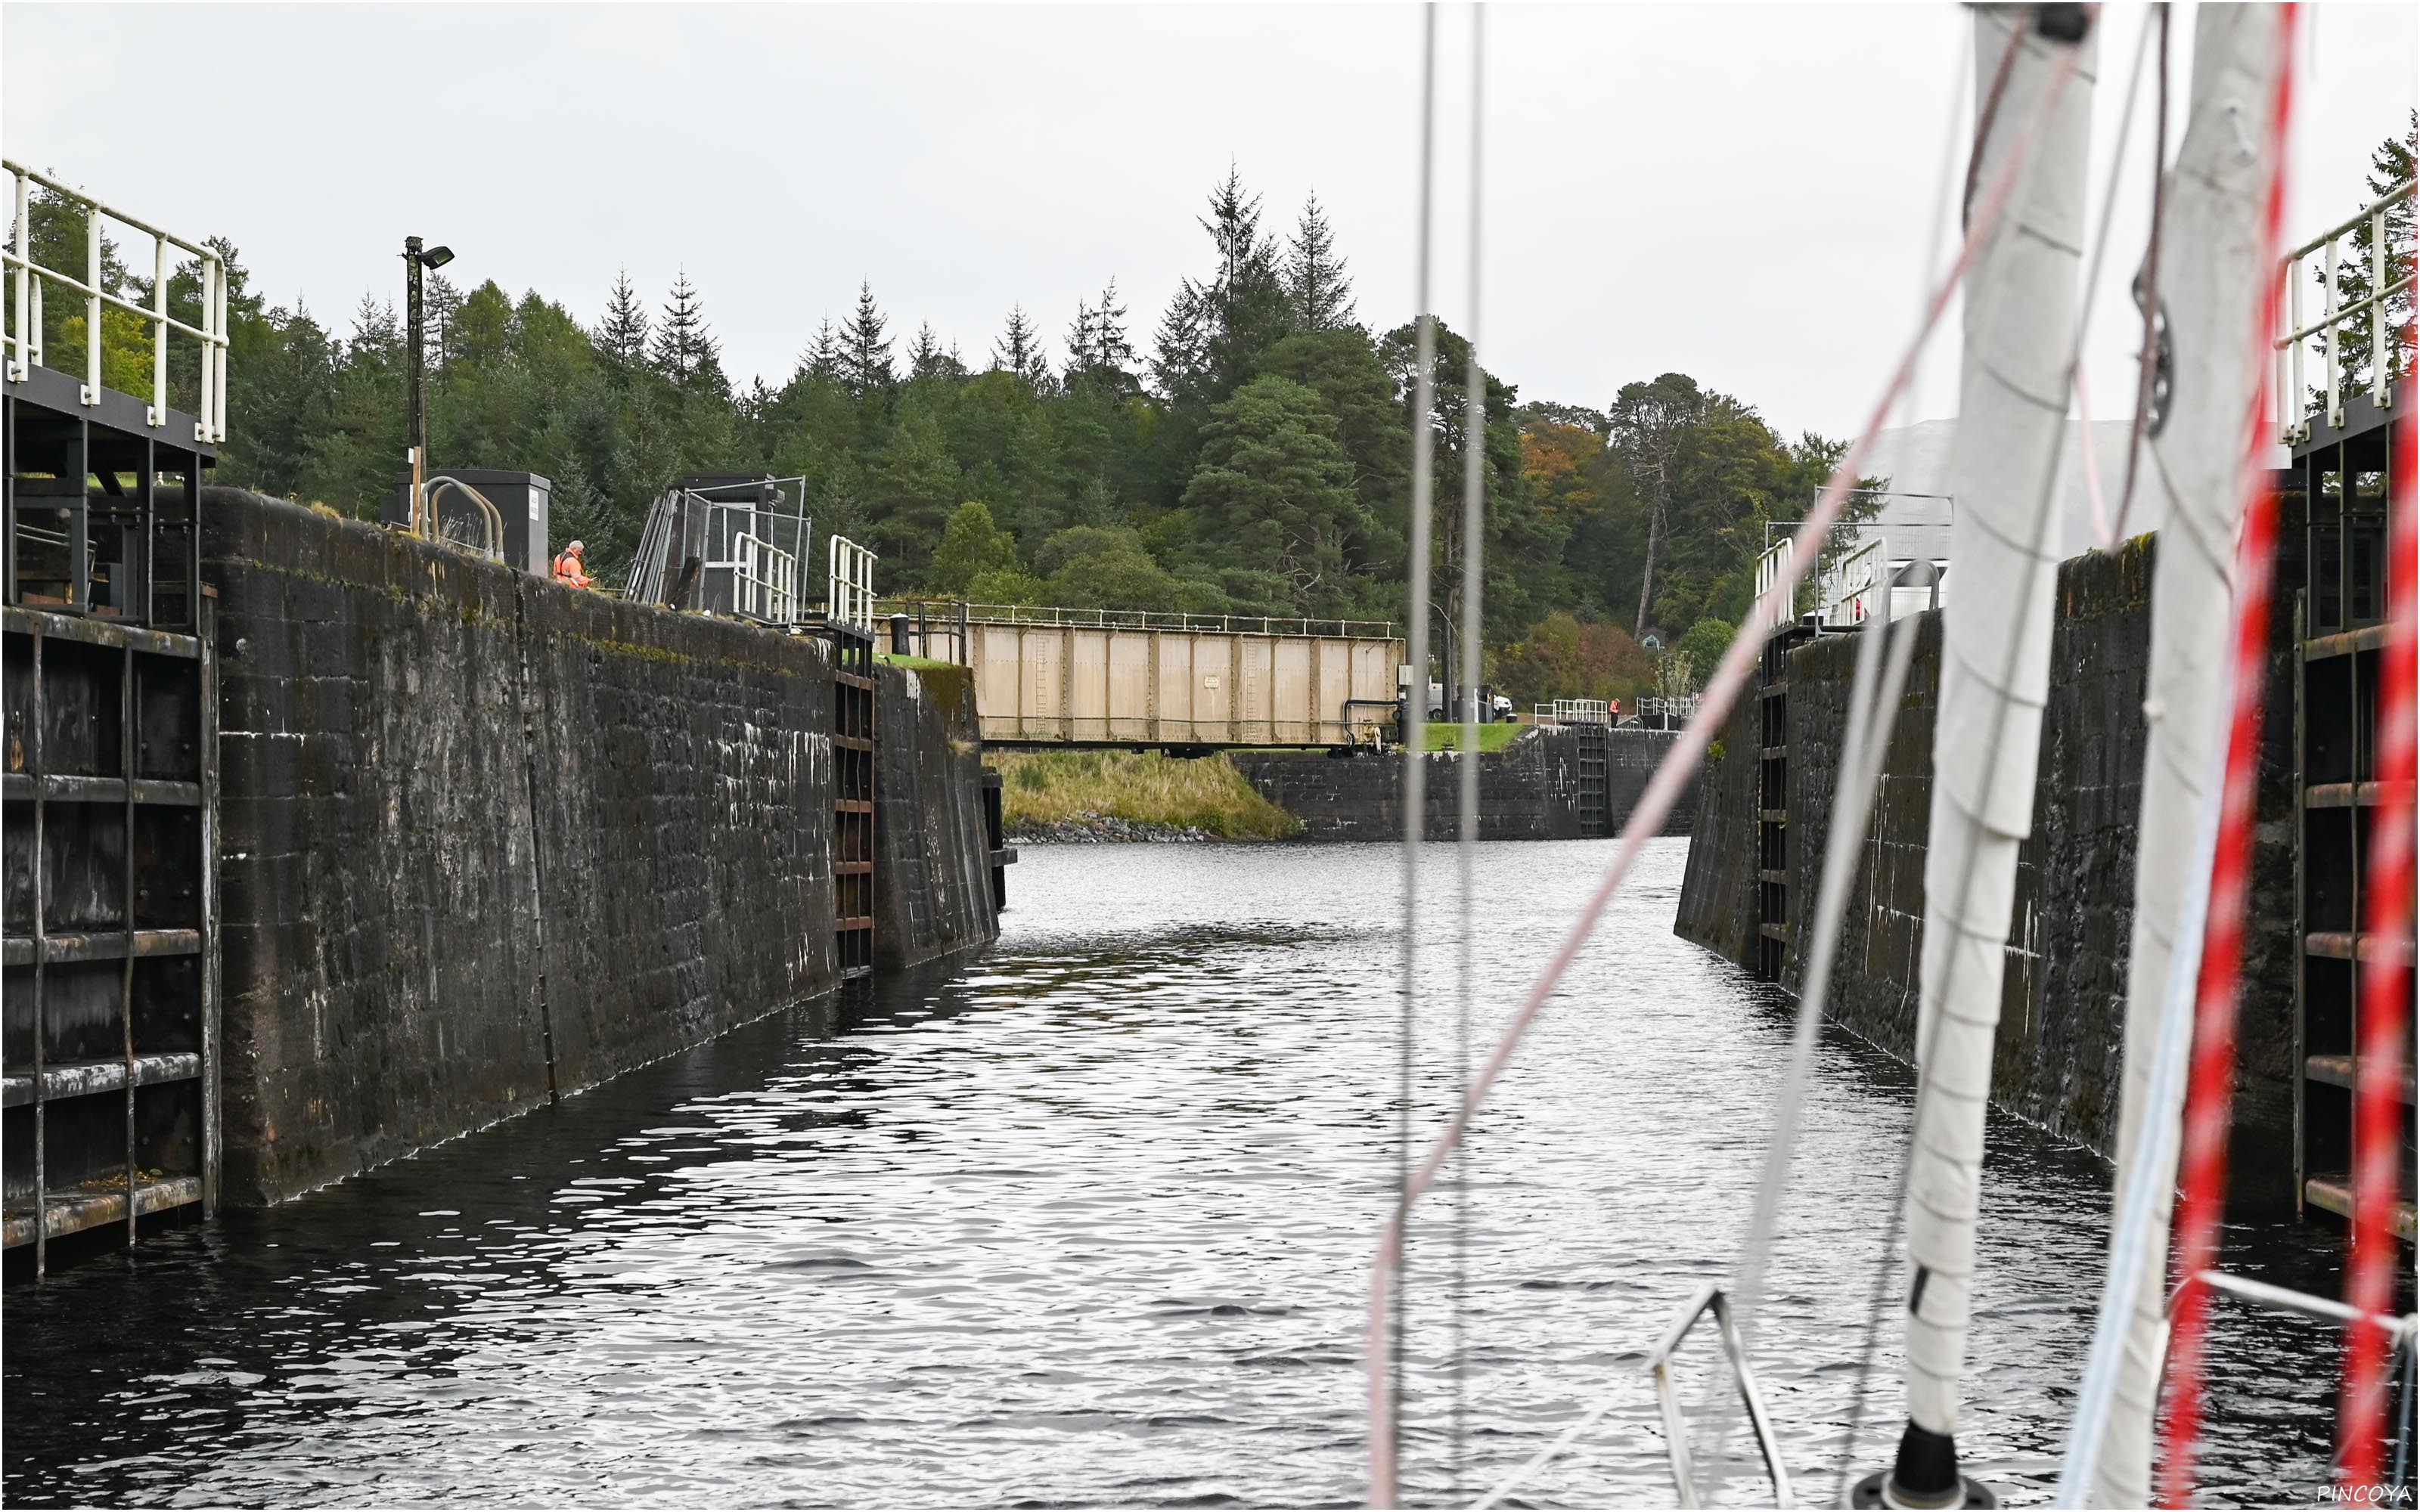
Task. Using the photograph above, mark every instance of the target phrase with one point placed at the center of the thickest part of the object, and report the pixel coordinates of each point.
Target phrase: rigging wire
(1384, 1345)
(2154, 330)
(1474, 478)
(2207, 954)
(1874, 695)
(2105, 530)
(1663, 787)
(1945, 187)
(1780, 1152)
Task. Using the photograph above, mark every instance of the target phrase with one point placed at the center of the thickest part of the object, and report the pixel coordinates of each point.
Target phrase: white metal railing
(24, 335)
(1783, 607)
(764, 582)
(1848, 588)
(1572, 711)
(852, 586)
(1119, 619)
(2295, 421)
(1684, 707)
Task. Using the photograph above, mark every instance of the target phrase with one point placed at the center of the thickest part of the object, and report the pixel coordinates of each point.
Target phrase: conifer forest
(1246, 451)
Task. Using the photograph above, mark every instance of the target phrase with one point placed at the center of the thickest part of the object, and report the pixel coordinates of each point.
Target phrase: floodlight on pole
(416, 258)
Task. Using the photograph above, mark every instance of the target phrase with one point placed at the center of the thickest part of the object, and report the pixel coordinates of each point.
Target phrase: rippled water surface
(1088, 1220)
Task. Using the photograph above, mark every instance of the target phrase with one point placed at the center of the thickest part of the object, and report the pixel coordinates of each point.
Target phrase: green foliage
(1563, 656)
(1007, 585)
(1273, 487)
(1091, 567)
(971, 546)
(1702, 646)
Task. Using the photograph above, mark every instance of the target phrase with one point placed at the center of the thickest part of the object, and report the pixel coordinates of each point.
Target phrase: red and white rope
(2386, 967)
(2210, 1091)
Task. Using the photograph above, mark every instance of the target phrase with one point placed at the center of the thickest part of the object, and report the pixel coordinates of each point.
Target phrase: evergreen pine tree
(1111, 348)
(622, 337)
(441, 302)
(1079, 342)
(1019, 350)
(1319, 297)
(1097, 347)
(1242, 311)
(684, 351)
(823, 359)
(926, 360)
(864, 350)
(1181, 344)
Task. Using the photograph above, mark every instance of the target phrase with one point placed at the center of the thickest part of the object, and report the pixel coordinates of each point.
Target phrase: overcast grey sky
(1740, 192)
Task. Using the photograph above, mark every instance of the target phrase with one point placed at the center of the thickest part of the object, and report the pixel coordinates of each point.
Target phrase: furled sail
(2013, 382)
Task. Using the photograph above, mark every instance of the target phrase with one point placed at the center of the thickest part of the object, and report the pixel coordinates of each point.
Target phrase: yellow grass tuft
(1042, 787)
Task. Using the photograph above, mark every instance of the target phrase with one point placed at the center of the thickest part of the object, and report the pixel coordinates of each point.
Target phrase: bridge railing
(1119, 619)
(934, 628)
(28, 275)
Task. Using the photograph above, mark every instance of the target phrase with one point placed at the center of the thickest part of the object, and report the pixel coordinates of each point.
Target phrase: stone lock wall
(1719, 889)
(1529, 790)
(932, 886)
(2057, 1058)
(487, 840)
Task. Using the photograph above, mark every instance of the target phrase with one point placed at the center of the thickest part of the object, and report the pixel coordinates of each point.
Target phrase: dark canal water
(1087, 1221)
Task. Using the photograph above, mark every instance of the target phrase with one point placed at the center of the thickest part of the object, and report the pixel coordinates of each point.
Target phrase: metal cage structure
(724, 544)
(109, 931)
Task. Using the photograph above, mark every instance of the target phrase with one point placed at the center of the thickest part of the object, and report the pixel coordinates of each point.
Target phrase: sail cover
(2013, 384)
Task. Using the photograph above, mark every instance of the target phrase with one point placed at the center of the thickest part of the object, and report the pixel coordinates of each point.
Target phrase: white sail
(2020, 319)
(2211, 283)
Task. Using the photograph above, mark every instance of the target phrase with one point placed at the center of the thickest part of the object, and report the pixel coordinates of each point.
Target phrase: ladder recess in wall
(852, 832)
(2342, 610)
(109, 1109)
(1773, 801)
(1594, 740)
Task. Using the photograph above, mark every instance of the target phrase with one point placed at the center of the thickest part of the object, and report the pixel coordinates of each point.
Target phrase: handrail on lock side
(1708, 1298)
(489, 516)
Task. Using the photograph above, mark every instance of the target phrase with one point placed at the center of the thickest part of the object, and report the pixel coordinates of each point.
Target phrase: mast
(2013, 385)
(2209, 279)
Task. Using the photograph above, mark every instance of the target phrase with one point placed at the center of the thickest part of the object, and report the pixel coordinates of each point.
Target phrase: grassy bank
(1448, 735)
(1042, 787)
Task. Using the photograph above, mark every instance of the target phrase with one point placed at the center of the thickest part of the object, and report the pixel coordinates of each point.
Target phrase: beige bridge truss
(1088, 677)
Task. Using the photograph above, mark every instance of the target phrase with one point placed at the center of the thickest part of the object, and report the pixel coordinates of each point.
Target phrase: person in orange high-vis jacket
(568, 569)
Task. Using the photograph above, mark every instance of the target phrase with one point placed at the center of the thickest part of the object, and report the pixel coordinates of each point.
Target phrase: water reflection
(1085, 1220)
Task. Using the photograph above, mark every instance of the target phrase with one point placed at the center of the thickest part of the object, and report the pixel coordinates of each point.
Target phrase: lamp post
(414, 261)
